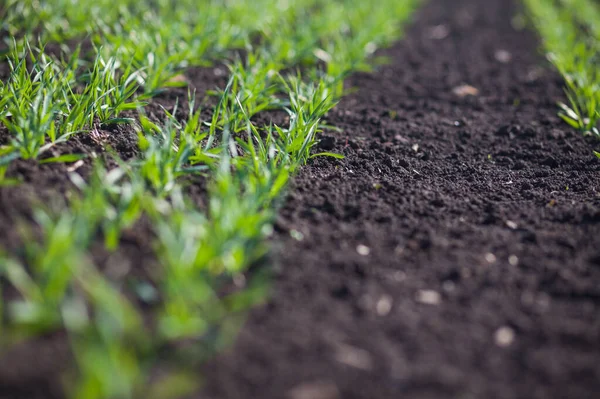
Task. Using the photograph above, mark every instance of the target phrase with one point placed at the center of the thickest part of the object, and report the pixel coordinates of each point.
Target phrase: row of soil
(454, 253)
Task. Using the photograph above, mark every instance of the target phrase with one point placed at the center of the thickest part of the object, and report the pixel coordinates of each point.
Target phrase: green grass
(139, 51)
(570, 31)
(44, 101)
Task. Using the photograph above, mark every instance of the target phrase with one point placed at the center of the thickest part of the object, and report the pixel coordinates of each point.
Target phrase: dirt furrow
(455, 252)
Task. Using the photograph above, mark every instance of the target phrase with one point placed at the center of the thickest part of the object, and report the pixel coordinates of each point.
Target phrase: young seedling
(570, 33)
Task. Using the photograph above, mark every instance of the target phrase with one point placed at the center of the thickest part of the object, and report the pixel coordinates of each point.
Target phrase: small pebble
(513, 260)
(504, 336)
(296, 235)
(354, 357)
(439, 32)
(363, 250)
(503, 56)
(448, 286)
(399, 276)
(384, 305)
(465, 90)
(511, 225)
(429, 297)
(490, 257)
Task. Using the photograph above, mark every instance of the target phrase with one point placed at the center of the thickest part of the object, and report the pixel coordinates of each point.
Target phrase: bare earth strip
(455, 252)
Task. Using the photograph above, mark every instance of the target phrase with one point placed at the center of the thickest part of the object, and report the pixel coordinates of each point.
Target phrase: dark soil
(478, 219)
(482, 217)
